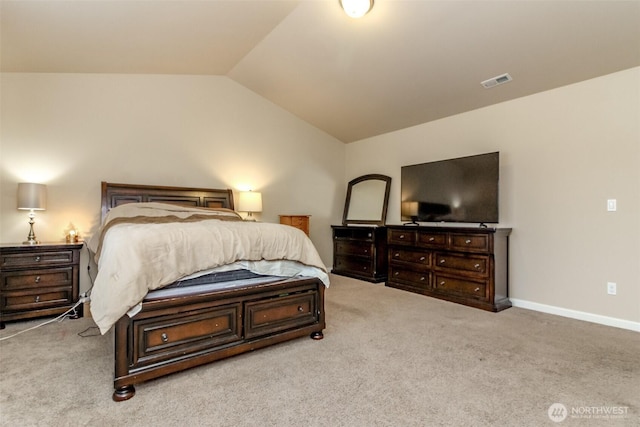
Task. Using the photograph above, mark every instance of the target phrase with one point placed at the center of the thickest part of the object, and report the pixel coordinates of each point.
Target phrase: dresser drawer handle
(421, 258)
(431, 239)
(401, 236)
(422, 279)
(369, 235)
(365, 268)
(467, 241)
(477, 266)
(37, 298)
(366, 251)
(442, 283)
(164, 337)
(442, 261)
(300, 309)
(396, 273)
(37, 279)
(396, 255)
(36, 259)
(476, 289)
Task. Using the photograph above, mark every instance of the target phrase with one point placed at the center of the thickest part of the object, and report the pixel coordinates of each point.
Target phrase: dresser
(463, 265)
(297, 221)
(38, 280)
(360, 252)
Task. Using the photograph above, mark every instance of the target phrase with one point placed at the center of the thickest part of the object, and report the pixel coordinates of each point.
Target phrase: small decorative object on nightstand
(297, 221)
(38, 280)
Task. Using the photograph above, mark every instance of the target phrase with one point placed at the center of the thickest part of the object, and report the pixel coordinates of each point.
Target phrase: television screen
(455, 190)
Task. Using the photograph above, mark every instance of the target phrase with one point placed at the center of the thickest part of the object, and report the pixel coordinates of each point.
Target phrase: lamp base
(31, 242)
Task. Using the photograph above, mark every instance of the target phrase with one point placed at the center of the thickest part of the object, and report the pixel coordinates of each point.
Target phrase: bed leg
(124, 393)
(318, 335)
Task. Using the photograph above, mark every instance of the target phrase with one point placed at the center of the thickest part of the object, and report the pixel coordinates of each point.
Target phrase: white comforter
(136, 254)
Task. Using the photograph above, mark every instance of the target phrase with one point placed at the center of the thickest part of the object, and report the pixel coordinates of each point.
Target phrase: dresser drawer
(460, 286)
(35, 300)
(43, 278)
(470, 242)
(472, 264)
(432, 239)
(353, 265)
(414, 278)
(43, 258)
(279, 314)
(167, 337)
(363, 249)
(401, 237)
(421, 259)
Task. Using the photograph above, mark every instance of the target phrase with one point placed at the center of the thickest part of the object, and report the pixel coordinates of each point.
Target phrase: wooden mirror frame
(385, 200)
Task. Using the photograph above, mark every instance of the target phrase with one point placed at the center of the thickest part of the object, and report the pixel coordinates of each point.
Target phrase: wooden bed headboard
(119, 194)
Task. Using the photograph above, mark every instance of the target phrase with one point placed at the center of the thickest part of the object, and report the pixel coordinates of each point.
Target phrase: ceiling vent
(495, 81)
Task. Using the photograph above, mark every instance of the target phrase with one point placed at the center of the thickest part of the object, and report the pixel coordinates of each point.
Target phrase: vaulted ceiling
(406, 62)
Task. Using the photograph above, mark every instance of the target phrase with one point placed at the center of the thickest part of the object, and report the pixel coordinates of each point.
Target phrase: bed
(191, 302)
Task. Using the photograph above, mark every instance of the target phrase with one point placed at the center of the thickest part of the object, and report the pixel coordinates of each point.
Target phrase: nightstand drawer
(43, 278)
(279, 314)
(41, 258)
(33, 300)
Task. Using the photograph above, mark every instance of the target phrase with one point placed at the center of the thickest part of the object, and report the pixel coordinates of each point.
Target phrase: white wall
(563, 154)
(72, 131)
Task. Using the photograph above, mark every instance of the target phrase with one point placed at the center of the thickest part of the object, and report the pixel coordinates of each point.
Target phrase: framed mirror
(367, 200)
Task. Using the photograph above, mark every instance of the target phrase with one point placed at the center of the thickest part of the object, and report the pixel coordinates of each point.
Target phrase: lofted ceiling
(406, 62)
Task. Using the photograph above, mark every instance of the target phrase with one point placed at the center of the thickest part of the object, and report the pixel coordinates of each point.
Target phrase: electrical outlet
(611, 205)
(611, 288)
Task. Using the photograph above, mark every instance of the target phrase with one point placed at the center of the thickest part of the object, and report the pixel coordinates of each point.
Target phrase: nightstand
(297, 221)
(39, 280)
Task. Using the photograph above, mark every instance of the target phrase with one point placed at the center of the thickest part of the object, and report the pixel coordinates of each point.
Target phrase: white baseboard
(579, 315)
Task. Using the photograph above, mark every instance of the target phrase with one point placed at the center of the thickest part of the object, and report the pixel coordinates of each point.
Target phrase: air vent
(495, 81)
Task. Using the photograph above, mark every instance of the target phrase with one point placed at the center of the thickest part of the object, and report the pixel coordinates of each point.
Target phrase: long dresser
(464, 265)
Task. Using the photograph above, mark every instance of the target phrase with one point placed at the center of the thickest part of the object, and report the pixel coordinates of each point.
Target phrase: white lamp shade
(356, 8)
(32, 196)
(250, 201)
(409, 208)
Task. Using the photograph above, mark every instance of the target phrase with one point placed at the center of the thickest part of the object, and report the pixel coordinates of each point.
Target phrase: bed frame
(171, 334)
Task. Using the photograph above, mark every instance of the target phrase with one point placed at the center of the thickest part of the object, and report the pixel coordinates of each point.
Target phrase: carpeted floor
(389, 358)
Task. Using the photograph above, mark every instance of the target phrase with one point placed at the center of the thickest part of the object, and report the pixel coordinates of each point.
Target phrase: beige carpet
(389, 358)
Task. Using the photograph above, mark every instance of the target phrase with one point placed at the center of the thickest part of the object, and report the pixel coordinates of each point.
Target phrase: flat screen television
(464, 189)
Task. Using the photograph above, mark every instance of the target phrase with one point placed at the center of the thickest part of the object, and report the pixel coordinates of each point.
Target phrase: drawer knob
(164, 337)
(365, 268)
(37, 279)
(369, 235)
(431, 239)
(36, 259)
(476, 289)
(402, 236)
(442, 283)
(366, 251)
(300, 309)
(422, 279)
(477, 266)
(396, 273)
(467, 241)
(442, 261)
(421, 258)
(396, 255)
(37, 298)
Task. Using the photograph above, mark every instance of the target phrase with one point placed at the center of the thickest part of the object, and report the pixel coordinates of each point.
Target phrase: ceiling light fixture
(356, 8)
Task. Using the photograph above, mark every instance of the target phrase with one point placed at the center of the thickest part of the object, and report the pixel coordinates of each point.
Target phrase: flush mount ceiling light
(356, 8)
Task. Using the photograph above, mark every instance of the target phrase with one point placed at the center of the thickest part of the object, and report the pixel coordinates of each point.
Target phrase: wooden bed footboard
(173, 334)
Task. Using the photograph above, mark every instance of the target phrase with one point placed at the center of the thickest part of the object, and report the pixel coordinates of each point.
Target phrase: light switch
(611, 205)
